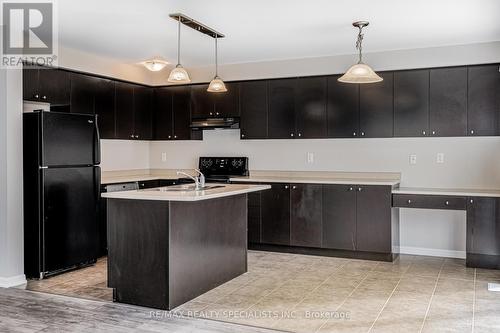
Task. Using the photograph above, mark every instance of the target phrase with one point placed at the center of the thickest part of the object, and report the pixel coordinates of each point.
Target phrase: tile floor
(300, 293)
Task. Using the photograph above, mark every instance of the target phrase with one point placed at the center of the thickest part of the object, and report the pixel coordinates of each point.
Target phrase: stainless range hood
(215, 123)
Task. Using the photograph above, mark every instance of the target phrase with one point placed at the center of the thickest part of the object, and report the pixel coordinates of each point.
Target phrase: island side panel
(138, 251)
(208, 245)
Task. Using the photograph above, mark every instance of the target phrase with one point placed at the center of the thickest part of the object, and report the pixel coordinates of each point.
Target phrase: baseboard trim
(12, 281)
(423, 251)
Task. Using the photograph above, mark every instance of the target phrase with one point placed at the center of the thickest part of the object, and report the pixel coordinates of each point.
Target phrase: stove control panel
(227, 166)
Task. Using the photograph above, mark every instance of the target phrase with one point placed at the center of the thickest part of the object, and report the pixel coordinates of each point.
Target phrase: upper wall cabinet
(310, 109)
(202, 102)
(124, 110)
(227, 104)
(254, 105)
(483, 101)
(143, 115)
(448, 101)
(281, 115)
(411, 103)
(163, 127)
(376, 111)
(342, 109)
(46, 85)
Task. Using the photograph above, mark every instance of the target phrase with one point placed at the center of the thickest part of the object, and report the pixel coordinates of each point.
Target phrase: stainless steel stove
(221, 169)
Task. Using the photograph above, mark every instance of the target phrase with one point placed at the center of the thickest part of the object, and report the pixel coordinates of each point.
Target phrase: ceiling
(260, 30)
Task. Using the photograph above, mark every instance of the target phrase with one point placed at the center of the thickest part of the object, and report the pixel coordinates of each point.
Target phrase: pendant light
(179, 74)
(216, 85)
(360, 72)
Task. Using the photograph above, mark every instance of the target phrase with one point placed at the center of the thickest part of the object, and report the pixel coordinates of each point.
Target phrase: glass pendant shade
(360, 73)
(216, 85)
(179, 75)
(154, 65)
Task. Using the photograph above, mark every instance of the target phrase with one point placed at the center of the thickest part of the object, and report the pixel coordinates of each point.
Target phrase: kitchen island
(169, 245)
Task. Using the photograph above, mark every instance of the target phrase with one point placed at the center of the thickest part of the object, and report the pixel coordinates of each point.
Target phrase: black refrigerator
(61, 191)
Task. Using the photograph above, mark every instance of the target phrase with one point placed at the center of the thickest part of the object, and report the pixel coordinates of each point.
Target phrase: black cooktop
(223, 167)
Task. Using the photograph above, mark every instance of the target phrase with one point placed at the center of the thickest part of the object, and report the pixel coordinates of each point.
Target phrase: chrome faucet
(199, 181)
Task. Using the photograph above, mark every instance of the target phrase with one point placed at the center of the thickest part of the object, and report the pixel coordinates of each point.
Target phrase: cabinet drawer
(149, 184)
(428, 201)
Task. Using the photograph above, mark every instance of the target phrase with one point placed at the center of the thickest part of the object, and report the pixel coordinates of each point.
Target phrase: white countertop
(128, 179)
(447, 191)
(168, 194)
(316, 180)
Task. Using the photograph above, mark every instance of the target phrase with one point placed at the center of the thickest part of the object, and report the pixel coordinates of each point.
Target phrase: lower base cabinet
(339, 217)
(306, 202)
(276, 215)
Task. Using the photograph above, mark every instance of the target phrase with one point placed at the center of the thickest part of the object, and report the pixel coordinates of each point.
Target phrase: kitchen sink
(183, 188)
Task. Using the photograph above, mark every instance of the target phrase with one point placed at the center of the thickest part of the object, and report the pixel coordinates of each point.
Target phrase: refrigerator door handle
(97, 143)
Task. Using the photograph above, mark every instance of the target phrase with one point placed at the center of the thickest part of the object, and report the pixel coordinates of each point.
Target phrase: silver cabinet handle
(131, 136)
(291, 134)
(300, 134)
(409, 201)
(44, 97)
(37, 96)
(354, 134)
(350, 189)
(423, 132)
(175, 136)
(294, 187)
(362, 133)
(242, 135)
(211, 113)
(217, 113)
(471, 131)
(137, 137)
(169, 136)
(433, 132)
(447, 203)
(286, 186)
(471, 201)
(360, 189)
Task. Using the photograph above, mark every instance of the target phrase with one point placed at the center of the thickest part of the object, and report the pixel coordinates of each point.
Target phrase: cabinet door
(376, 111)
(311, 108)
(411, 103)
(163, 116)
(254, 217)
(483, 102)
(483, 226)
(124, 110)
(54, 85)
(253, 121)
(305, 221)
(83, 90)
(342, 109)
(448, 96)
(30, 84)
(143, 113)
(373, 219)
(227, 104)
(339, 217)
(276, 215)
(104, 107)
(181, 112)
(281, 117)
(202, 102)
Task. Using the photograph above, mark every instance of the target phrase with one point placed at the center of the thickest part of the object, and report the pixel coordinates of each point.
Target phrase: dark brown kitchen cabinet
(306, 215)
(143, 117)
(339, 217)
(124, 110)
(310, 108)
(83, 90)
(373, 218)
(376, 110)
(48, 85)
(411, 103)
(202, 102)
(276, 215)
(182, 115)
(254, 217)
(483, 100)
(104, 107)
(281, 115)
(162, 114)
(227, 104)
(342, 109)
(483, 227)
(448, 101)
(254, 105)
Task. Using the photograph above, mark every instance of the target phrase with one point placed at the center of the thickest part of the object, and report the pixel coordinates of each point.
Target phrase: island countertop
(175, 193)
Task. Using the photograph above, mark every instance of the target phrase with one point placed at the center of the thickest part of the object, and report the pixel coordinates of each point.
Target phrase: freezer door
(70, 212)
(69, 139)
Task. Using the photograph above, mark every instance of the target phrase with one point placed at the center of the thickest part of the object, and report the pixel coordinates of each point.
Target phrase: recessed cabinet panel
(181, 112)
(83, 91)
(448, 101)
(163, 116)
(124, 110)
(143, 120)
(311, 108)
(306, 215)
(202, 103)
(339, 217)
(483, 102)
(376, 111)
(342, 109)
(227, 104)
(54, 86)
(104, 107)
(281, 117)
(30, 84)
(411, 103)
(276, 215)
(483, 223)
(254, 104)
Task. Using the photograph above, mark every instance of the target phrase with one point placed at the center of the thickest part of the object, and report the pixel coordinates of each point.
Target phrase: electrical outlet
(440, 158)
(413, 159)
(163, 157)
(310, 158)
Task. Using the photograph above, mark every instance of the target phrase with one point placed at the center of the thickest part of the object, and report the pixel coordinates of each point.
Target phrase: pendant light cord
(179, 43)
(216, 61)
(358, 44)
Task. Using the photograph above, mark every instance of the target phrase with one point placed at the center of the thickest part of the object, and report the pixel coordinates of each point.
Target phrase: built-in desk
(483, 217)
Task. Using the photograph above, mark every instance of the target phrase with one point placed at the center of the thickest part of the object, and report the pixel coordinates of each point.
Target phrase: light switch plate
(163, 157)
(310, 158)
(413, 159)
(440, 158)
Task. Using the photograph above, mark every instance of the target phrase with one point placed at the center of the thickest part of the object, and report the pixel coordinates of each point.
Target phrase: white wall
(11, 200)
(124, 155)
